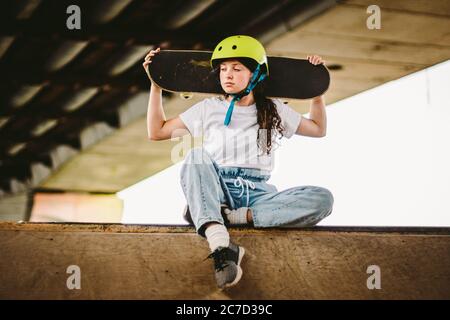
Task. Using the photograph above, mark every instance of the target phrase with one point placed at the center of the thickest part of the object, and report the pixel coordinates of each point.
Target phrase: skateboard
(189, 72)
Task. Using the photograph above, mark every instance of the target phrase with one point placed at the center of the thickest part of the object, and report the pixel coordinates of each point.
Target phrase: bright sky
(385, 158)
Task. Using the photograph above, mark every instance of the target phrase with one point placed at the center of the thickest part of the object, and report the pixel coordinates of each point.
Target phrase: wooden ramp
(162, 262)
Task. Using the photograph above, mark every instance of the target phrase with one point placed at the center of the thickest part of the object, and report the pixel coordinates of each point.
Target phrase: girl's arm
(158, 128)
(316, 126)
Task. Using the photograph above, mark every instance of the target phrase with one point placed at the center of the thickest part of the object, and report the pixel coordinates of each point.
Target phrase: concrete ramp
(162, 262)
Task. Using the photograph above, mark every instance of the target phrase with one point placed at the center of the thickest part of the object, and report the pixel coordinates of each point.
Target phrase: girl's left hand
(315, 60)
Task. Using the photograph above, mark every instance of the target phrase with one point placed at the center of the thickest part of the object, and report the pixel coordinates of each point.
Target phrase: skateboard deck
(188, 72)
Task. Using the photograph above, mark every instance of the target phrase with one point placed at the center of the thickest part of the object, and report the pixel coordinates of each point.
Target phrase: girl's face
(234, 76)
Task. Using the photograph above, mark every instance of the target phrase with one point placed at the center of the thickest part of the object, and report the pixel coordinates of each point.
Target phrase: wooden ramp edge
(114, 261)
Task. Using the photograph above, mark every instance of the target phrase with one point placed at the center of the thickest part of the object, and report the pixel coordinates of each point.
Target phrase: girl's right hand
(148, 60)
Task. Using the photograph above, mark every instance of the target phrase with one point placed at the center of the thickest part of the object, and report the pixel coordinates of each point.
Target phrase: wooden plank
(301, 43)
(348, 20)
(151, 262)
(435, 7)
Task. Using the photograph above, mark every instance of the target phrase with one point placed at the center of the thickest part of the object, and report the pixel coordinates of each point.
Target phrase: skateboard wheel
(186, 95)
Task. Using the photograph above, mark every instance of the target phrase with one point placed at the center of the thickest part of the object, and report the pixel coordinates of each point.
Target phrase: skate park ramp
(161, 262)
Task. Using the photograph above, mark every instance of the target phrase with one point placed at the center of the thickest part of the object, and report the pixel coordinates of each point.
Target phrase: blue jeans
(206, 186)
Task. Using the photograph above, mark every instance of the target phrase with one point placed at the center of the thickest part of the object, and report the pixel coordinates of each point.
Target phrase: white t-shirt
(235, 145)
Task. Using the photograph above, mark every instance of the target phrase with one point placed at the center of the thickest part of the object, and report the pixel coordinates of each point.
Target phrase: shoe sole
(239, 269)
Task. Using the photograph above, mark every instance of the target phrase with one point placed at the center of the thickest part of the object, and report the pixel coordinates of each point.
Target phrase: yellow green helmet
(240, 47)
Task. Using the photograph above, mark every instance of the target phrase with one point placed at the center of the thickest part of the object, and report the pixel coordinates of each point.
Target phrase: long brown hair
(269, 121)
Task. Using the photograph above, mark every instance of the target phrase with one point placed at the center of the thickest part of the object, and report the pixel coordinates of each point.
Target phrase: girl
(225, 181)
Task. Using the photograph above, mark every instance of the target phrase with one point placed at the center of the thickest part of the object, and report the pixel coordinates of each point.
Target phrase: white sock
(217, 236)
(237, 216)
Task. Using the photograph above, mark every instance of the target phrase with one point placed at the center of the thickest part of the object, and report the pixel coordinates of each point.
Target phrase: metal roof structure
(58, 81)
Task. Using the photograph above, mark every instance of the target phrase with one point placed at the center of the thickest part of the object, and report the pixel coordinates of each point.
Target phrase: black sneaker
(187, 215)
(227, 267)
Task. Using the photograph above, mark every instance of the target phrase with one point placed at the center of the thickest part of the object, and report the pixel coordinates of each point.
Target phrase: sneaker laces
(220, 257)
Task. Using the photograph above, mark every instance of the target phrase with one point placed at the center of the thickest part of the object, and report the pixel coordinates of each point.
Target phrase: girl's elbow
(153, 137)
(322, 133)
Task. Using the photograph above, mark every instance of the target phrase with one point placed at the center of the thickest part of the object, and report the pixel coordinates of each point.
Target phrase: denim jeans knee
(294, 207)
(202, 187)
